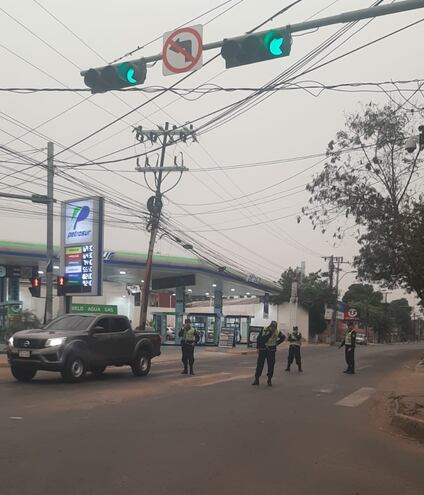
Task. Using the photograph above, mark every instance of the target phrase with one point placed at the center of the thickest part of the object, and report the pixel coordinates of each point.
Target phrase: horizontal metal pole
(35, 198)
(353, 15)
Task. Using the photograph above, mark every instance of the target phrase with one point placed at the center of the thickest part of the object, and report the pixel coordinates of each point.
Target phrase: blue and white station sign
(81, 257)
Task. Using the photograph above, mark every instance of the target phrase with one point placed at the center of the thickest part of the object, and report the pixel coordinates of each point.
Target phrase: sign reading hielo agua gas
(81, 257)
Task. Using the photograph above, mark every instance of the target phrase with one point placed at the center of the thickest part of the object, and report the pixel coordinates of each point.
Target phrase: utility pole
(48, 314)
(332, 261)
(155, 203)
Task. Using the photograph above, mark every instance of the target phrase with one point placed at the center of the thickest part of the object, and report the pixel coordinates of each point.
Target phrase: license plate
(24, 354)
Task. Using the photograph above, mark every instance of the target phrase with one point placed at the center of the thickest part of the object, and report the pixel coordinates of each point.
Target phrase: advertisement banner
(81, 257)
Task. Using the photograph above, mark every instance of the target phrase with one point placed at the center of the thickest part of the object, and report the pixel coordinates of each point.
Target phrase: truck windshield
(71, 323)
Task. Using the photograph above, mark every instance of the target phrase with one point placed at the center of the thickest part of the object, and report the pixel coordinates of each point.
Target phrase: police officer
(189, 338)
(349, 342)
(295, 342)
(268, 340)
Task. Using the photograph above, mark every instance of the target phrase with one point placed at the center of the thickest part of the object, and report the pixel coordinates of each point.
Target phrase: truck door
(101, 344)
(123, 338)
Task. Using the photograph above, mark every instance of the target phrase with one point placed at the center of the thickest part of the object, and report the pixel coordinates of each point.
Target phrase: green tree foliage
(313, 293)
(373, 312)
(400, 312)
(368, 188)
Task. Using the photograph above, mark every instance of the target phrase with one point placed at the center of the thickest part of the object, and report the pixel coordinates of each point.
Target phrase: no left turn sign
(182, 50)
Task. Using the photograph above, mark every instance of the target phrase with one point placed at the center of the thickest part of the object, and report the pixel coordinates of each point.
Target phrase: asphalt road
(212, 433)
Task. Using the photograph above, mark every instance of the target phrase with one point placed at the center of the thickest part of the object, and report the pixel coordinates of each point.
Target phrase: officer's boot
(287, 369)
(191, 370)
(184, 372)
(269, 382)
(300, 368)
(255, 381)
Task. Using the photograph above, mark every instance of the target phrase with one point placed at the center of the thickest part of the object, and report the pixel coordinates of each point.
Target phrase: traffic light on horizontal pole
(256, 48)
(117, 76)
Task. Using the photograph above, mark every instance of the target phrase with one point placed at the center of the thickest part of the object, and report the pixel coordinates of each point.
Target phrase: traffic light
(256, 48)
(115, 76)
(35, 288)
(60, 285)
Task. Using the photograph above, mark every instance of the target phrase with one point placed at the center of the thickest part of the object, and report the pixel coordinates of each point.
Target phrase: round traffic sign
(190, 57)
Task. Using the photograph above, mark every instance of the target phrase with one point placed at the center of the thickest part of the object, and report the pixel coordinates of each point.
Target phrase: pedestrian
(295, 342)
(349, 342)
(189, 338)
(268, 340)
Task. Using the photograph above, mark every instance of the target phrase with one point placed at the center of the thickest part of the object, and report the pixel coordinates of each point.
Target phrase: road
(212, 433)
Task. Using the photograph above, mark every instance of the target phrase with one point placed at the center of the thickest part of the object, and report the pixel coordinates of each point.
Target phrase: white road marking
(364, 367)
(15, 417)
(356, 398)
(222, 380)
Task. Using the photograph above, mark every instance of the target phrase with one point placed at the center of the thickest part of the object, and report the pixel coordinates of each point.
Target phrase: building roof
(133, 263)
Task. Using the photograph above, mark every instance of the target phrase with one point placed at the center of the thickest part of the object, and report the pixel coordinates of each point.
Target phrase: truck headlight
(55, 342)
(10, 341)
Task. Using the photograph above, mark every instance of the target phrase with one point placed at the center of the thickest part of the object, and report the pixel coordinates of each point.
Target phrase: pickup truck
(74, 344)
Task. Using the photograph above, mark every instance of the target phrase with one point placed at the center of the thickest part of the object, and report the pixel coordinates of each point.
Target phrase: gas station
(178, 284)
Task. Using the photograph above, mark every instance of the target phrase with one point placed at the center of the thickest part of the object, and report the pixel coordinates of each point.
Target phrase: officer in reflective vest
(349, 342)
(189, 338)
(295, 342)
(268, 340)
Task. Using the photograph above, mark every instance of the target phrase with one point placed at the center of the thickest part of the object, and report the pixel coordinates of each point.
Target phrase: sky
(247, 214)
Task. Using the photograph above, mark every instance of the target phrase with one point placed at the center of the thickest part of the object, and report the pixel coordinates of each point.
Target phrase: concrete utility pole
(332, 260)
(45, 200)
(353, 15)
(154, 203)
(48, 314)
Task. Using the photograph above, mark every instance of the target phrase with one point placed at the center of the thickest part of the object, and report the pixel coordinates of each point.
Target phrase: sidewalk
(406, 401)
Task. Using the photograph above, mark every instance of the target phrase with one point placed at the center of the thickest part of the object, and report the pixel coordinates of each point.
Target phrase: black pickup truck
(74, 344)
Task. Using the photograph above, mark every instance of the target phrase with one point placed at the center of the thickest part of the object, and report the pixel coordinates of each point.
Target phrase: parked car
(74, 344)
(361, 339)
(170, 333)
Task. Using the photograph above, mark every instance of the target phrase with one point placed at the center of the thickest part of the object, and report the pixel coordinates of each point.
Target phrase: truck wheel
(141, 364)
(23, 373)
(98, 370)
(74, 370)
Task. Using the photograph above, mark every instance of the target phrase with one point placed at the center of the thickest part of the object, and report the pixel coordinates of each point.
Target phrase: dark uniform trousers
(187, 355)
(350, 357)
(294, 353)
(269, 356)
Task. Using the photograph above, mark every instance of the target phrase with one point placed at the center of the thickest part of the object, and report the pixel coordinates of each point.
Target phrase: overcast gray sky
(286, 125)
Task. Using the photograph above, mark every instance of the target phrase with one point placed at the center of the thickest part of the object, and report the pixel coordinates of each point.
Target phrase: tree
(313, 293)
(400, 311)
(371, 310)
(370, 180)
(362, 293)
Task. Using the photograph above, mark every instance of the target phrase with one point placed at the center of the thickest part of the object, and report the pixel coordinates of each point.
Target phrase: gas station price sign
(82, 246)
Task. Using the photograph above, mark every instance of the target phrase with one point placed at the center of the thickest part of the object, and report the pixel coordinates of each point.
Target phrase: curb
(411, 426)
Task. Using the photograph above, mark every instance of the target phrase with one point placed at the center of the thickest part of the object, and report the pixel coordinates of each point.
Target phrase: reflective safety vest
(348, 337)
(189, 335)
(295, 339)
(272, 341)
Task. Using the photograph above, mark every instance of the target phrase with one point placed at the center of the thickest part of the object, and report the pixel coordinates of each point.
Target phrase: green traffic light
(130, 76)
(274, 43)
(276, 47)
(127, 72)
